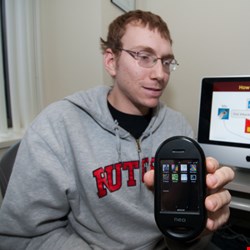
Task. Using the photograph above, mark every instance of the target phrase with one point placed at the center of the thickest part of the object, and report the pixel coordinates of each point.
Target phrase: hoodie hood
(94, 102)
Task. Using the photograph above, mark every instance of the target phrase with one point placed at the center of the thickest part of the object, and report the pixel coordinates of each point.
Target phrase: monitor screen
(224, 119)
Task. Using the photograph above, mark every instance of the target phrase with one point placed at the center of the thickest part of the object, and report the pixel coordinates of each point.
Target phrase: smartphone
(180, 188)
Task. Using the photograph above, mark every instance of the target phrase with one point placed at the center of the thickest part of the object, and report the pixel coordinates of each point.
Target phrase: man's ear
(110, 62)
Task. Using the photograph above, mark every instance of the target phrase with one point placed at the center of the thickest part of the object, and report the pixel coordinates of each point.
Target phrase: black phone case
(183, 226)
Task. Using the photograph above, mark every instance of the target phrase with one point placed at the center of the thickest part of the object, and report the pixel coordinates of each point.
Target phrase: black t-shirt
(134, 124)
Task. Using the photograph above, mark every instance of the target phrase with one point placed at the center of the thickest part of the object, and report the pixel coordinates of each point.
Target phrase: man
(80, 173)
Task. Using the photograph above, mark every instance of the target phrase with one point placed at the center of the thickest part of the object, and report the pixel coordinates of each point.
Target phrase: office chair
(6, 165)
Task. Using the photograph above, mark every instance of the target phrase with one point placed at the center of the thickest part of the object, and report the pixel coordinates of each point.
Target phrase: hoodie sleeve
(34, 211)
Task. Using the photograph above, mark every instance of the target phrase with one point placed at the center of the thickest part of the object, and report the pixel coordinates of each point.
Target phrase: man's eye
(144, 57)
(166, 62)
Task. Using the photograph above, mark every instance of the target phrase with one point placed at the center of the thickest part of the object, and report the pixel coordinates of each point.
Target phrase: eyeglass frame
(136, 56)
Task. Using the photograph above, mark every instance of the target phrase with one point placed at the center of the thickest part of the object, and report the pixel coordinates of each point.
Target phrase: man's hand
(218, 198)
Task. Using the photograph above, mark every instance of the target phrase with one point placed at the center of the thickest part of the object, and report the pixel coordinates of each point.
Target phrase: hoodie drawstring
(118, 141)
(150, 151)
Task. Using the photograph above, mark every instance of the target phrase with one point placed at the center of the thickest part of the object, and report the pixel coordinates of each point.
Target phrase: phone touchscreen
(179, 186)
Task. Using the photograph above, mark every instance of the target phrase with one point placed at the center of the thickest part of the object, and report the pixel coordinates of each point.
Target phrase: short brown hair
(144, 18)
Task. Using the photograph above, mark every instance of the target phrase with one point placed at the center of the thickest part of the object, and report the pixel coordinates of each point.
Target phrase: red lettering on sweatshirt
(130, 167)
(105, 180)
(109, 178)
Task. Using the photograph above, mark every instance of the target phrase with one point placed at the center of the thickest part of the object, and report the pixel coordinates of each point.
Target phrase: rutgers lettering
(110, 179)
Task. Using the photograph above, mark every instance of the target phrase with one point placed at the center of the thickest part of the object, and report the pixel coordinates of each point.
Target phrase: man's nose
(158, 70)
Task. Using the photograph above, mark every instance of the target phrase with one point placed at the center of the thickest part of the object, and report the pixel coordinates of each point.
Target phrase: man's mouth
(153, 91)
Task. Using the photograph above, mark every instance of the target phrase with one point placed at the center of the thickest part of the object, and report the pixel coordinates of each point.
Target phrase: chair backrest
(6, 165)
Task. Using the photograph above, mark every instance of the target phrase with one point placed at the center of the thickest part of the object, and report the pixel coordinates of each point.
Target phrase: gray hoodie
(77, 182)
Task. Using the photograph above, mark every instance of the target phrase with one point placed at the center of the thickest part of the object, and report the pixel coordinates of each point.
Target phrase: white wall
(71, 59)
(211, 37)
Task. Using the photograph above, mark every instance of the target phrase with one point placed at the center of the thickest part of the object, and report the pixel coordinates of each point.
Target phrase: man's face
(137, 89)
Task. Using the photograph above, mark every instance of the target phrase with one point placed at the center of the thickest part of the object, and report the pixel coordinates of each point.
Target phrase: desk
(240, 190)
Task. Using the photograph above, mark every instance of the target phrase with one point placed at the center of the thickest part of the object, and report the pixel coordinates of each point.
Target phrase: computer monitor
(224, 119)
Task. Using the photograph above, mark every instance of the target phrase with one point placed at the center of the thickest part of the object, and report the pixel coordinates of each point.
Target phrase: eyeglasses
(148, 60)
